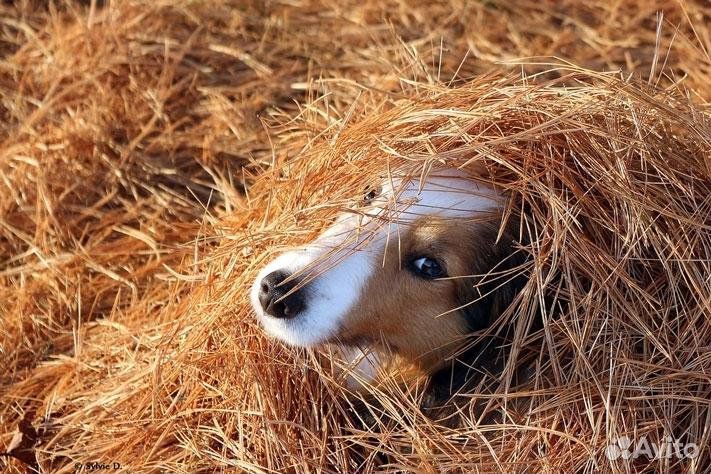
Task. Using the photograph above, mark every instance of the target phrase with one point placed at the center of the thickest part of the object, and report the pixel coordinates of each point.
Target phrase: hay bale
(127, 336)
(614, 182)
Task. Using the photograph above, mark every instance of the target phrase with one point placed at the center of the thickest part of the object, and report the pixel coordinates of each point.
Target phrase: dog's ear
(483, 297)
(494, 282)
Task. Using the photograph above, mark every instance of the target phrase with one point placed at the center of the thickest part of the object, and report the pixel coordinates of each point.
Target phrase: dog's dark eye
(370, 193)
(427, 267)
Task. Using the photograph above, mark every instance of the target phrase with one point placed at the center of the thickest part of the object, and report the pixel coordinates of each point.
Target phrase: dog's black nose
(274, 299)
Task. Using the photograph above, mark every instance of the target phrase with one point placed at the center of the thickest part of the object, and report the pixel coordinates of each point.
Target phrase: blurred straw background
(154, 155)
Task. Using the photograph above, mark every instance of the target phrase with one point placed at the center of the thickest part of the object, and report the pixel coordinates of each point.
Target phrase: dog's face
(400, 272)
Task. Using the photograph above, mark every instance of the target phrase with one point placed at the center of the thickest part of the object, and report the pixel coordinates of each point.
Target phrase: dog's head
(404, 271)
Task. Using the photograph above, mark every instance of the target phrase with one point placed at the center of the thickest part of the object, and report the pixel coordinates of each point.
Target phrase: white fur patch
(359, 367)
(339, 263)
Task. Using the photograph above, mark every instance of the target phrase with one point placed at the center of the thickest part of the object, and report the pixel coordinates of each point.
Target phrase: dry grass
(154, 156)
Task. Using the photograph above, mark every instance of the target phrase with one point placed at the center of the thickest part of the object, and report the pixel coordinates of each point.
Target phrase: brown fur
(423, 320)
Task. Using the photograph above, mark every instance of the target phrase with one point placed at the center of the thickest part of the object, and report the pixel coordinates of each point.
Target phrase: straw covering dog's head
(401, 272)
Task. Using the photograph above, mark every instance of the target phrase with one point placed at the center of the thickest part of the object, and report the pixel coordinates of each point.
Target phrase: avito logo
(623, 447)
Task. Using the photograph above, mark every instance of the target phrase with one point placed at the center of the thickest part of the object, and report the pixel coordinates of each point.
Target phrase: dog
(413, 270)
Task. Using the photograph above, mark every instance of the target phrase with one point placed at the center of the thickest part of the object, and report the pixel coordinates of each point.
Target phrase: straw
(155, 156)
